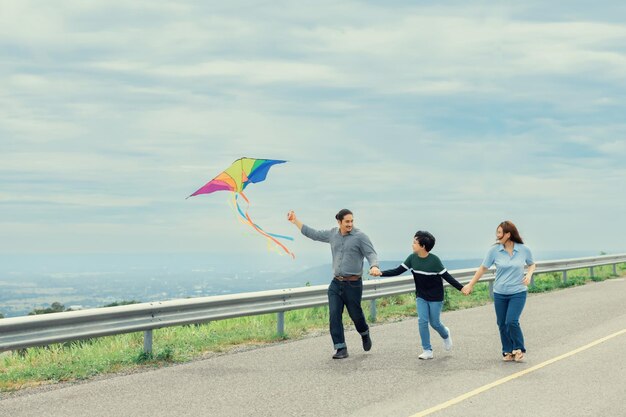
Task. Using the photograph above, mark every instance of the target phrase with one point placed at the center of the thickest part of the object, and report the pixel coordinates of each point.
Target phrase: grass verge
(124, 353)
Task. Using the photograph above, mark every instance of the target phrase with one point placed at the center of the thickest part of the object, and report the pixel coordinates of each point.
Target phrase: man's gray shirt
(348, 250)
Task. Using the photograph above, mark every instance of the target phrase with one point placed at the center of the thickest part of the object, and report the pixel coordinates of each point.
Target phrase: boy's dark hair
(425, 239)
(342, 213)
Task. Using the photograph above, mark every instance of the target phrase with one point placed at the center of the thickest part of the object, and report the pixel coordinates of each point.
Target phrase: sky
(447, 116)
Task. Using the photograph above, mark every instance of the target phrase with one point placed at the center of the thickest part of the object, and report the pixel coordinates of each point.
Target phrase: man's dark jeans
(348, 294)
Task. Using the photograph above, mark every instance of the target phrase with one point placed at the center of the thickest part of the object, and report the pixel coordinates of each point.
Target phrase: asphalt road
(299, 378)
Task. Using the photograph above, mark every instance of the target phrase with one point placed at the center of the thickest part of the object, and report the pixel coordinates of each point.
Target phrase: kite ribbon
(248, 220)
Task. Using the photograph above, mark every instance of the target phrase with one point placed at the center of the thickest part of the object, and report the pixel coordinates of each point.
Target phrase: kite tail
(270, 236)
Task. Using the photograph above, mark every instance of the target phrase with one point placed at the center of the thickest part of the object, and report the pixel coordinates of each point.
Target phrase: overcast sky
(447, 116)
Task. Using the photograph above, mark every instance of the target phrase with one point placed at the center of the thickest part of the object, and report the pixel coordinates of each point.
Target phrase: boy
(427, 272)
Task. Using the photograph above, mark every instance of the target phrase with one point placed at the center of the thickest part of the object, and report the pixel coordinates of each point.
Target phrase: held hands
(375, 272)
(467, 289)
(527, 279)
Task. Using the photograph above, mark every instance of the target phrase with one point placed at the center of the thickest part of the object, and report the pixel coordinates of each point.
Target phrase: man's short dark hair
(425, 239)
(342, 213)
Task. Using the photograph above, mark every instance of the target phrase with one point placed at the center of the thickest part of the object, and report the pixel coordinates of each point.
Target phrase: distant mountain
(29, 282)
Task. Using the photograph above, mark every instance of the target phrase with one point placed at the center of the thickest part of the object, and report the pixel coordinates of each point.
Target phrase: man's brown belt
(348, 278)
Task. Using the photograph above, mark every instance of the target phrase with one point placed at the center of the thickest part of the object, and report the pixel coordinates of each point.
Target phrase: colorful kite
(236, 178)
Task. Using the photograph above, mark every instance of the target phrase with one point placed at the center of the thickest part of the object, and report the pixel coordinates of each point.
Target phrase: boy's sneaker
(447, 343)
(427, 354)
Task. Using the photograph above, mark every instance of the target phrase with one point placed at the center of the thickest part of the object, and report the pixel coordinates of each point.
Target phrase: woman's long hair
(508, 227)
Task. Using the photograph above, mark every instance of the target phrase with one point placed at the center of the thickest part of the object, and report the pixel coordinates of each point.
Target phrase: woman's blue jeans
(429, 312)
(348, 294)
(508, 311)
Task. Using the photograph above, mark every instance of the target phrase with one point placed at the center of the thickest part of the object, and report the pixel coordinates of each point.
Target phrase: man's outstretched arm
(319, 235)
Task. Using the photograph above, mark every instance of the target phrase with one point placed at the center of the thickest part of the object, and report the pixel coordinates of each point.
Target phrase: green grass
(123, 353)
(554, 280)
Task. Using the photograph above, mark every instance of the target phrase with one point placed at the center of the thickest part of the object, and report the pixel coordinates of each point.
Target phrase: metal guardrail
(40, 330)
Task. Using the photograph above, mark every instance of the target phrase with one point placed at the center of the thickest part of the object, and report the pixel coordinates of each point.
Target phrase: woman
(510, 255)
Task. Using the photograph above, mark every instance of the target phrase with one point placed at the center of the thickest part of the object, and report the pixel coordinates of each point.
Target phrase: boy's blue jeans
(429, 312)
(508, 311)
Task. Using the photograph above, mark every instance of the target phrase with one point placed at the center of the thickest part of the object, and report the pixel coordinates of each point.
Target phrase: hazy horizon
(44, 262)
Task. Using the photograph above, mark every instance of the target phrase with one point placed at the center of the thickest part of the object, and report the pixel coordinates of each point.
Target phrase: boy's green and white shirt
(430, 265)
(427, 273)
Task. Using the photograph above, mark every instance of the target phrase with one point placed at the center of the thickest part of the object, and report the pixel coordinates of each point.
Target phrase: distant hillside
(86, 286)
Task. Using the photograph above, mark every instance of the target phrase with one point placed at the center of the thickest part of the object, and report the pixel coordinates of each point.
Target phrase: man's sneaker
(518, 355)
(447, 343)
(507, 357)
(367, 342)
(341, 353)
(427, 354)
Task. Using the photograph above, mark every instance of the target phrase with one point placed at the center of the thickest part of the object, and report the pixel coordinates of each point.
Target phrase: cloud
(449, 115)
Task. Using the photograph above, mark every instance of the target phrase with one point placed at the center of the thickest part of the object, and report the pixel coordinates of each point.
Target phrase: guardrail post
(564, 276)
(491, 289)
(615, 269)
(280, 323)
(591, 272)
(373, 310)
(147, 342)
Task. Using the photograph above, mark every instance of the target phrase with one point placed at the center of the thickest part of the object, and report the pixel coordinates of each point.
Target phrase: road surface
(576, 366)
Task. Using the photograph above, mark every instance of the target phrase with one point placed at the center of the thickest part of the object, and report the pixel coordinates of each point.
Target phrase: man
(348, 246)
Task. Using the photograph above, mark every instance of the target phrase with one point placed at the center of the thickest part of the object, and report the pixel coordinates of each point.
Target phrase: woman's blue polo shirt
(509, 269)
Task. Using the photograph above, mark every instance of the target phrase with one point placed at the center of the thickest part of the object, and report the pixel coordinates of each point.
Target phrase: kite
(236, 178)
